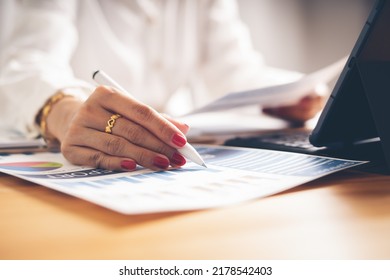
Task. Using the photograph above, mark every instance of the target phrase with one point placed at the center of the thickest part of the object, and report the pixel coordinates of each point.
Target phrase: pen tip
(204, 165)
(94, 74)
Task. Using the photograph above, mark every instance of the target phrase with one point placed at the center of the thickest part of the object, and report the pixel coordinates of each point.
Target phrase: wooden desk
(342, 216)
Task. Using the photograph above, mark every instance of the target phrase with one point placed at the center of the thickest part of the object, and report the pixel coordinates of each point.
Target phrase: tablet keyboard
(291, 141)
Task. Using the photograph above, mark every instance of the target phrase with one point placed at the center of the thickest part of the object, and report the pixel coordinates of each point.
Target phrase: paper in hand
(277, 95)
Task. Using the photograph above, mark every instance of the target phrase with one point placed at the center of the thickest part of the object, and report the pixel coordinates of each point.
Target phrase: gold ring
(111, 123)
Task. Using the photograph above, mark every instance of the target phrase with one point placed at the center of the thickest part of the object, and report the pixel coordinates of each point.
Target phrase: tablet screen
(347, 118)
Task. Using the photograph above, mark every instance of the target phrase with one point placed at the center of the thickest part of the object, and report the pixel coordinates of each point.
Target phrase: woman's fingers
(304, 110)
(90, 157)
(141, 114)
(99, 149)
(127, 142)
(107, 145)
(128, 130)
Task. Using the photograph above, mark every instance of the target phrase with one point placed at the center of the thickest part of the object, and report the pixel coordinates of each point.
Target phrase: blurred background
(302, 35)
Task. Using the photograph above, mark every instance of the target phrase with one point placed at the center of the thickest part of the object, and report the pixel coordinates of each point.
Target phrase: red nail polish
(161, 162)
(128, 164)
(179, 140)
(178, 159)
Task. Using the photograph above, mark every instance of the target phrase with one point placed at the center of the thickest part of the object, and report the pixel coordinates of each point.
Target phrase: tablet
(355, 122)
(351, 114)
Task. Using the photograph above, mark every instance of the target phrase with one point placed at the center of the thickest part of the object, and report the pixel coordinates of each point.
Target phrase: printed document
(277, 95)
(233, 175)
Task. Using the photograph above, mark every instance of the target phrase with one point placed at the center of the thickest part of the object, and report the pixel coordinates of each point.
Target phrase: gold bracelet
(44, 113)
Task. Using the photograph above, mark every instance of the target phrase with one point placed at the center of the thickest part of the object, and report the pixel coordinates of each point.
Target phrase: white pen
(187, 150)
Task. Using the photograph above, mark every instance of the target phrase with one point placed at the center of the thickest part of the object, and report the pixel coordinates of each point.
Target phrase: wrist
(61, 116)
(55, 116)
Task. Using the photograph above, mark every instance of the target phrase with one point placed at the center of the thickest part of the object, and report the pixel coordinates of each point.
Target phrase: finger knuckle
(96, 159)
(165, 150)
(115, 145)
(102, 90)
(144, 112)
(143, 158)
(165, 129)
(101, 94)
(108, 163)
(135, 134)
(101, 160)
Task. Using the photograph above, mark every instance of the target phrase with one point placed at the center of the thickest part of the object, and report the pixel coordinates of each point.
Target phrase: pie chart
(31, 166)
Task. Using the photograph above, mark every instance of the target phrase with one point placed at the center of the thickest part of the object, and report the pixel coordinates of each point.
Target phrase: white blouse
(153, 48)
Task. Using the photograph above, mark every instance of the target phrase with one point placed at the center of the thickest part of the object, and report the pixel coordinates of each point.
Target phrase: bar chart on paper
(233, 175)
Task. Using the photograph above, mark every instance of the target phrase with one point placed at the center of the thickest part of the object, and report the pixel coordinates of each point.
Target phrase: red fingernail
(128, 164)
(178, 159)
(161, 162)
(179, 140)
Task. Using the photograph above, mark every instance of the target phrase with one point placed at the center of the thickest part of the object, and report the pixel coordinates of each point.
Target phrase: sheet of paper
(233, 175)
(277, 95)
(14, 139)
(230, 122)
(16, 142)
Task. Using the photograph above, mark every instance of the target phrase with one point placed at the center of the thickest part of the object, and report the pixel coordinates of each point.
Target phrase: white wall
(304, 35)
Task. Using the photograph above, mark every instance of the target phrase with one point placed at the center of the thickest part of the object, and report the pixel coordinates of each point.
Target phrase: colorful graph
(31, 166)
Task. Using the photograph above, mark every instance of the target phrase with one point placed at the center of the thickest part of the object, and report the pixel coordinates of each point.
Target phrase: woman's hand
(140, 136)
(304, 110)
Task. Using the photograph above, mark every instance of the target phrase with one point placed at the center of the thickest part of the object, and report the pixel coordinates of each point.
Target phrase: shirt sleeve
(35, 63)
